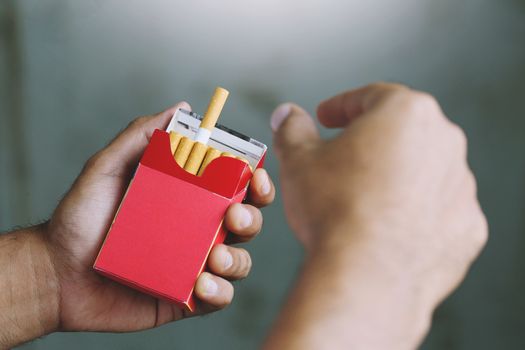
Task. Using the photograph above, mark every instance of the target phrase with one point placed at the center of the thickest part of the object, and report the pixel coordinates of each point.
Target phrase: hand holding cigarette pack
(172, 213)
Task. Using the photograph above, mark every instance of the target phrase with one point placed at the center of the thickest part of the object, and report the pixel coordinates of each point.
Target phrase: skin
(387, 212)
(47, 280)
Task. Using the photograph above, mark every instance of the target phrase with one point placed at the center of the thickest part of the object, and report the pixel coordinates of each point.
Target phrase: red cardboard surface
(168, 222)
(224, 176)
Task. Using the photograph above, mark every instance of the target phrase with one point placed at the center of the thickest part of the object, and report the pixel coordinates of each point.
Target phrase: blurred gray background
(73, 73)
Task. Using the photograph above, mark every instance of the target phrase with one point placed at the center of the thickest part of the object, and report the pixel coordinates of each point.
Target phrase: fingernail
(210, 287)
(245, 217)
(279, 115)
(265, 186)
(228, 260)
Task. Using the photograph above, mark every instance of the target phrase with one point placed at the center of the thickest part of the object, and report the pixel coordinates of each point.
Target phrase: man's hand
(68, 244)
(387, 212)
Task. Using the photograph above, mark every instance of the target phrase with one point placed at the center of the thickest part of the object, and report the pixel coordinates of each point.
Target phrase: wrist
(48, 281)
(30, 300)
(383, 301)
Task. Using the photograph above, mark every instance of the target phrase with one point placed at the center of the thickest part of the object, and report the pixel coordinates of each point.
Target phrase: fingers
(338, 111)
(213, 290)
(229, 262)
(225, 263)
(293, 128)
(244, 221)
(261, 191)
(122, 154)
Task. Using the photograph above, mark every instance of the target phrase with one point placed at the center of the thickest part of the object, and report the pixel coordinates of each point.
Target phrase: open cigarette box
(169, 219)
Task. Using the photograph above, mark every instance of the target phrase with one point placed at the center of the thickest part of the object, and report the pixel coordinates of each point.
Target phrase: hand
(388, 207)
(89, 302)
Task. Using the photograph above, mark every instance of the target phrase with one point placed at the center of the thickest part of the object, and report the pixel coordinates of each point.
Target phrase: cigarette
(212, 115)
(195, 159)
(210, 155)
(183, 151)
(205, 128)
(174, 141)
(190, 154)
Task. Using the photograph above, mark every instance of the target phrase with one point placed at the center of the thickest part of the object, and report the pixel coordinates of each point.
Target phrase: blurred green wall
(73, 73)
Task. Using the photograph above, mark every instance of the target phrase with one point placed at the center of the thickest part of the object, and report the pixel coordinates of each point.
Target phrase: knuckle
(388, 87)
(137, 122)
(481, 231)
(376, 85)
(392, 96)
(418, 113)
(424, 99)
(94, 160)
(459, 136)
(419, 104)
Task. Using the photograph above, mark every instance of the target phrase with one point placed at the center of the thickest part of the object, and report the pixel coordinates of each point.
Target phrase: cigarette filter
(212, 115)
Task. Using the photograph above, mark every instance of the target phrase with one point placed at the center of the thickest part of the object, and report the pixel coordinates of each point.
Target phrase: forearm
(346, 297)
(29, 289)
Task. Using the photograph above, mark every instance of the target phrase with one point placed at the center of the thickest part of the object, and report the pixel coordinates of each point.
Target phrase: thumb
(293, 128)
(121, 156)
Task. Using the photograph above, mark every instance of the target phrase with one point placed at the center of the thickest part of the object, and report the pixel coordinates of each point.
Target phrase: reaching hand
(387, 211)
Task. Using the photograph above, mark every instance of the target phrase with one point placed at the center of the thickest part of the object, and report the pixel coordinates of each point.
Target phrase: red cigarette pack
(169, 219)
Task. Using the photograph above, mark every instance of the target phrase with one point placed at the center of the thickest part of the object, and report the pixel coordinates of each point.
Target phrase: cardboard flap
(224, 176)
(162, 235)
